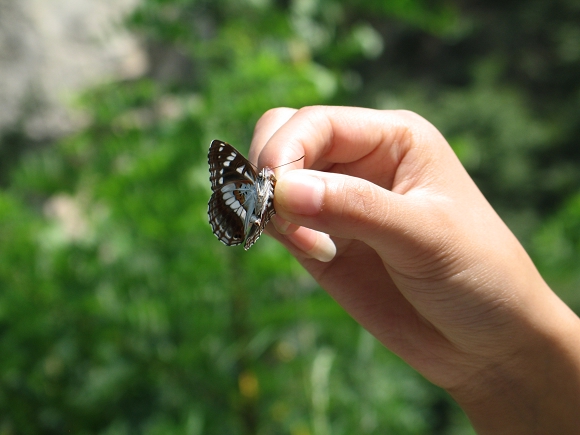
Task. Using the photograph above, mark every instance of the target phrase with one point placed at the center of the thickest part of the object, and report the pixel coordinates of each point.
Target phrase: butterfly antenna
(283, 164)
(293, 161)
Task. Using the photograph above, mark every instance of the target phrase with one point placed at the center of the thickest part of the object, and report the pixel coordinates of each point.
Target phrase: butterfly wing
(226, 165)
(232, 180)
(227, 224)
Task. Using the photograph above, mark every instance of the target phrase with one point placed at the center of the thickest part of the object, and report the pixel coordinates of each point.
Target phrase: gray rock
(52, 49)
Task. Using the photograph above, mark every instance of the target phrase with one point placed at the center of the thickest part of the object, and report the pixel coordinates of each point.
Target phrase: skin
(419, 258)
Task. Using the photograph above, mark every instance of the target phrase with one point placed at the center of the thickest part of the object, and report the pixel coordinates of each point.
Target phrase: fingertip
(298, 192)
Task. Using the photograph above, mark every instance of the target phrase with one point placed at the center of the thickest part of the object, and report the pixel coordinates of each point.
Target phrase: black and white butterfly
(242, 202)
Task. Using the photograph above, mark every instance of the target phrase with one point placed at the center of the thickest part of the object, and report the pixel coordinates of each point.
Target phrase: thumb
(341, 206)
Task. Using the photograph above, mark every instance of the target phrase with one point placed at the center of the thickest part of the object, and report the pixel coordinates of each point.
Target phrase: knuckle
(361, 203)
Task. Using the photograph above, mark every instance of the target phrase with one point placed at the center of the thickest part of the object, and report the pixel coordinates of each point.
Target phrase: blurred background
(121, 313)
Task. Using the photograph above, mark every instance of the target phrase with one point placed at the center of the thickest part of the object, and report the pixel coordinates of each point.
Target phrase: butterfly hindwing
(227, 226)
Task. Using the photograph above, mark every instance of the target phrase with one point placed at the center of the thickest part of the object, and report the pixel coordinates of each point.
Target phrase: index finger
(266, 126)
(339, 139)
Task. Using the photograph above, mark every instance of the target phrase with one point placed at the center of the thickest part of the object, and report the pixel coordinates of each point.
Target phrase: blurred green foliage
(121, 313)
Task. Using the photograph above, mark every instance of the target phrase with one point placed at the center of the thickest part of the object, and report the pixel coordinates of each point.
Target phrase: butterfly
(242, 201)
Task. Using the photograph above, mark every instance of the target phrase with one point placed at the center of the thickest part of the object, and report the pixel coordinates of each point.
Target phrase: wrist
(536, 390)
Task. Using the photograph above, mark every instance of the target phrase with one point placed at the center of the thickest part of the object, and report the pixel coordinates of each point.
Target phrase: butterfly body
(241, 204)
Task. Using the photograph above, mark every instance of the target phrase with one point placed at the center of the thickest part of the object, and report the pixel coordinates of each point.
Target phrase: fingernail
(315, 244)
(280, 224)
(324, 250)
(300, 193)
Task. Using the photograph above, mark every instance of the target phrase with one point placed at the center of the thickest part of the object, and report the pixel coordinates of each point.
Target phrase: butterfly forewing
(227, 165)
(242, 201)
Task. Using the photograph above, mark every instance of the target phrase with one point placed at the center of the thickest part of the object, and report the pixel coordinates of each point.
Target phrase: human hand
(422, 260)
